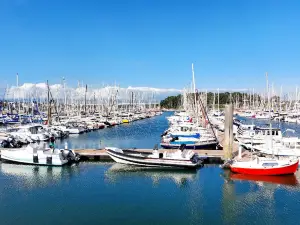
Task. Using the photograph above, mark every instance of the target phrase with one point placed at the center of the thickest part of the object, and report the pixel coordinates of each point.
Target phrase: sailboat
(184, 131)
(265, 166)
(262, 165)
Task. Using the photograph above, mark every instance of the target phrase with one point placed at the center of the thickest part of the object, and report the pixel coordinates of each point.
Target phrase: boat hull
(13, 161)
(211, 146)
(283, 170)
(20, 156)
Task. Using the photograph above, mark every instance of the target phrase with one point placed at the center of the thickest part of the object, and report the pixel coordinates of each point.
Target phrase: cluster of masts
(65, 101)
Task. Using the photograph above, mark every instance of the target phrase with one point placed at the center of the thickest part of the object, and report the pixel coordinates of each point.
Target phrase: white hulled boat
(178, 159)
(31, 155)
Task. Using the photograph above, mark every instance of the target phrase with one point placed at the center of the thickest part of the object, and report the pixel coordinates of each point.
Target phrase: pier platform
(213, 156)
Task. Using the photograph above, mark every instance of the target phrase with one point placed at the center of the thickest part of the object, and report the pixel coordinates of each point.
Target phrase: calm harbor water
(97, 193)
(108, 193)
(140, 134)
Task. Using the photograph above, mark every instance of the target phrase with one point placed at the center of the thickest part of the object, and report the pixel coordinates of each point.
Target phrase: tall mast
(267, 90)
(49, 104)
(85, 99)
(214, 101)
(296, 99)
(253, 103)
(269, 106)
(194, 87)
(218, 100)
(280, 98)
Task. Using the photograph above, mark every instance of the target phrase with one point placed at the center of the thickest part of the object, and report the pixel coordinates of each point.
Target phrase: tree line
(174, 102)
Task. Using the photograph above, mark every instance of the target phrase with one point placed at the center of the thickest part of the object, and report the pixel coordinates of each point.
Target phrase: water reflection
(287, 180)
(180, 177)
(140, 134)
(31, 176)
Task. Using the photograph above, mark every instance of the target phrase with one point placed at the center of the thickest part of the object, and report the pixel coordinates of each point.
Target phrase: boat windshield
(269, 164)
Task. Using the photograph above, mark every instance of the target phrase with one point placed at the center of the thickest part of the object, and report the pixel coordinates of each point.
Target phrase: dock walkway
(213, 156)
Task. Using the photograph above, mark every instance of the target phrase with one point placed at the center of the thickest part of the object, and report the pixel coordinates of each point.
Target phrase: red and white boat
(265, 166)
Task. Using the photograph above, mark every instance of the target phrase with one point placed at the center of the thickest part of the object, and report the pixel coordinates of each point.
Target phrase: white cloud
(39, 91)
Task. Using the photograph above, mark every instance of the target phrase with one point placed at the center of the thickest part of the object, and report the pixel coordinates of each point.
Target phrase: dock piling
(228, 139)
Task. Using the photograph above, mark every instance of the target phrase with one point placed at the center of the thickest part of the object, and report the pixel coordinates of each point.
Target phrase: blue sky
(151, 43)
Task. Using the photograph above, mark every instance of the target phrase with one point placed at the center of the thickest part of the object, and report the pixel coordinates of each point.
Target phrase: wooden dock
(213, 156)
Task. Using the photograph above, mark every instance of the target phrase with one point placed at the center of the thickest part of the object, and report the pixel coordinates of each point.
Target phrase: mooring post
(228, 139)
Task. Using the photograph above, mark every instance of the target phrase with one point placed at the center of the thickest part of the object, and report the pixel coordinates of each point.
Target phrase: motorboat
(286, 146)
(257, 136)
(70, 129)
(35, 132)
(263, 116)
(190, 143)
(248, 114)
(37, 156)
(10, 119)
(265, 166)
(181, 158)
(291, 119)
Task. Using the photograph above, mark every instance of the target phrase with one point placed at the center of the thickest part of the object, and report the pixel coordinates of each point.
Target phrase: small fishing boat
(265, 166)
(48, 157)
(34, 132)
(181, 158)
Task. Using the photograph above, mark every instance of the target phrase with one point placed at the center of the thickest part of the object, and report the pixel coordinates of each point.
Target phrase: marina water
(138, 134)
(108, 193)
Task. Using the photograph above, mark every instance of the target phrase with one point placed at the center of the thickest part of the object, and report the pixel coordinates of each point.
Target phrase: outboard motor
(5, 144)
(11, 142)
(15, 143)
(70, 155)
